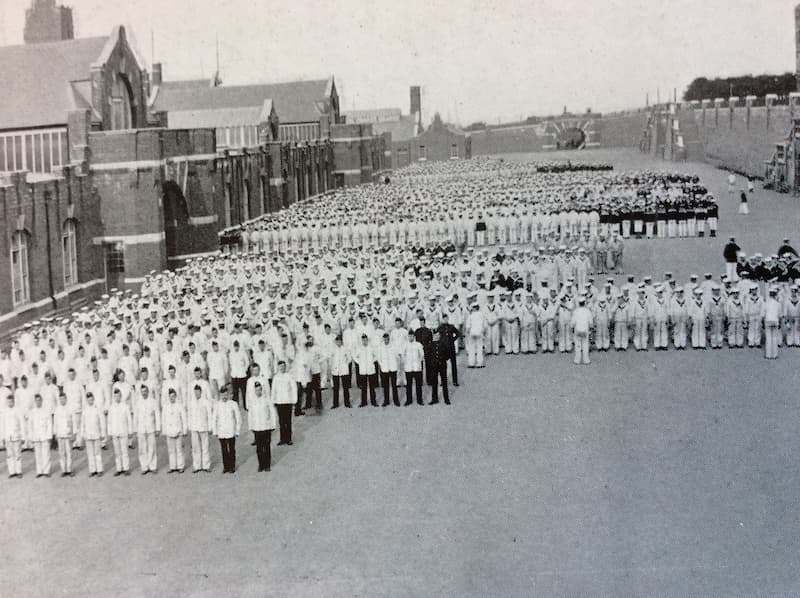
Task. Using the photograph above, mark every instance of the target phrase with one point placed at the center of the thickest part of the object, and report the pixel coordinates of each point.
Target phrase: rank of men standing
(261, 334)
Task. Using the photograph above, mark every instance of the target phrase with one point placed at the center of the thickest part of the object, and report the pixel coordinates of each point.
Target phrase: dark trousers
(413, 379)
(365, 382)
(428, 371)
(263, 440)
(389, 380)
(438, 373)
(239, 386)
(298, 407)
(228, 448)
(315, 386)
(344, 382)
(378, 376)
(285, 421)
(454, 368)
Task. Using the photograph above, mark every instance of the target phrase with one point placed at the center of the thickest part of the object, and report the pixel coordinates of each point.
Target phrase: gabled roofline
(117, 35)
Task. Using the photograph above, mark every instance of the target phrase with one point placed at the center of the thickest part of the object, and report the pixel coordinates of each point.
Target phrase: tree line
(755, 85)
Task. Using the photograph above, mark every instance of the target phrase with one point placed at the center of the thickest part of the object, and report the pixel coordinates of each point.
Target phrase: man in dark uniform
(424, 337)
(450, 334)
(440, 354)
(786, 248)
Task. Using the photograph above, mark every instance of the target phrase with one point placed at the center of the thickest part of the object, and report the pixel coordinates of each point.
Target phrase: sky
(476, 60)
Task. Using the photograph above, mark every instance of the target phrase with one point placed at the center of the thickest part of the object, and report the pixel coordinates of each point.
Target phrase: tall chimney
(797, 44)
(155, 77)
(416, 103)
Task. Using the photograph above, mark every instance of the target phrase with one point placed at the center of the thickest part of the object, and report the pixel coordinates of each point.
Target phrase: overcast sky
(475, 59)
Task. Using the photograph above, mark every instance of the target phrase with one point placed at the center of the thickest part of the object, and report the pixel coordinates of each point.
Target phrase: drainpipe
(47, 197)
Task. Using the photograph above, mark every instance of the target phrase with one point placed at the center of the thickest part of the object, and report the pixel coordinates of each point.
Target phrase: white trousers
(121, 453)
(200, 454)
(41, 451)
(175, 451)
(148, 457)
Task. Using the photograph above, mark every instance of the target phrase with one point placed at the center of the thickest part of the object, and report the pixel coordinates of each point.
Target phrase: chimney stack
(416, 103)
(156, 75)
(797, 44)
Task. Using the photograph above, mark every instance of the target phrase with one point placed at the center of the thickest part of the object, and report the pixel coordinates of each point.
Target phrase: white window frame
(9, 163)
(20, 280)
(69, 249)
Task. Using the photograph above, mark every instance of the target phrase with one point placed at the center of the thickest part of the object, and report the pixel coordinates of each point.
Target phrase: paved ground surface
(644, 473)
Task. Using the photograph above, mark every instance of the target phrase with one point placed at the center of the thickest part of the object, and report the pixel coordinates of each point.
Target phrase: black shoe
(363, 405)
(433, 402)
(280, 442)
(446, 401)
(374, 403)
(117, 474)
(267, 468)
(334, 406)
(456, 384)
(195, 470)
(420, 402)
(385, 404)
(64, 474)
(290, 443)
(407, 403)
(397, 403)
(348, 405)
(145, 471)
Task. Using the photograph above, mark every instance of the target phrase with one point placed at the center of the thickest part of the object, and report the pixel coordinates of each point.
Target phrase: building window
(20, 286)
(423, 152)
(121, 113)
(69, 251)
(39, 151)
(454, 150)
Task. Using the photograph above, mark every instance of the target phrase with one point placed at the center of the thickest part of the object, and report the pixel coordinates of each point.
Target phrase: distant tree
(476, 126)
(759, 85)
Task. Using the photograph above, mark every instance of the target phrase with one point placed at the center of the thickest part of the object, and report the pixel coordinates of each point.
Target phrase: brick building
(306, 109)
(438, 142)
(95, 194)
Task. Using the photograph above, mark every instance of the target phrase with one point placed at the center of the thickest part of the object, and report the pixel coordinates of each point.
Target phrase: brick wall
(734, 145)
(41, 209)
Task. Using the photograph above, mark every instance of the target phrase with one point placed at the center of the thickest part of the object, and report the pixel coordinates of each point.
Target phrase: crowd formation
(495, 203)
(254, 337)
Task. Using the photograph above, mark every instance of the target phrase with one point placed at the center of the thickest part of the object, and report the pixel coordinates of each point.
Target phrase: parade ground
(651, 473)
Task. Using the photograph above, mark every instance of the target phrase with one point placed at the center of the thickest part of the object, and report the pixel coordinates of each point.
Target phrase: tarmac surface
(667, 473)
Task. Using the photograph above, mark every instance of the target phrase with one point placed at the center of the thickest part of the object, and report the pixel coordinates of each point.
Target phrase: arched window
(121, 100)
(19, 268)
(69, 252)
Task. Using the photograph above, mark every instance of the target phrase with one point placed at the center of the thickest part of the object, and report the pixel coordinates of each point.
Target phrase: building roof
(220, 117)
(372, 116)
(402, 129)
(42, 82)
(295, 102)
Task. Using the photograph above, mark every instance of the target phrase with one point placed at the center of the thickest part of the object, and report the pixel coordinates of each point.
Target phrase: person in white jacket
(261, 417)
(93, 429)
(413, 357)
(200, 421)
(173, 424)
(14, 433)
(63, 429)
(284, 396)
(147, 421)
(227, 423)
(120, 428)
(40, 431)
(340, 370)
(476, 327)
